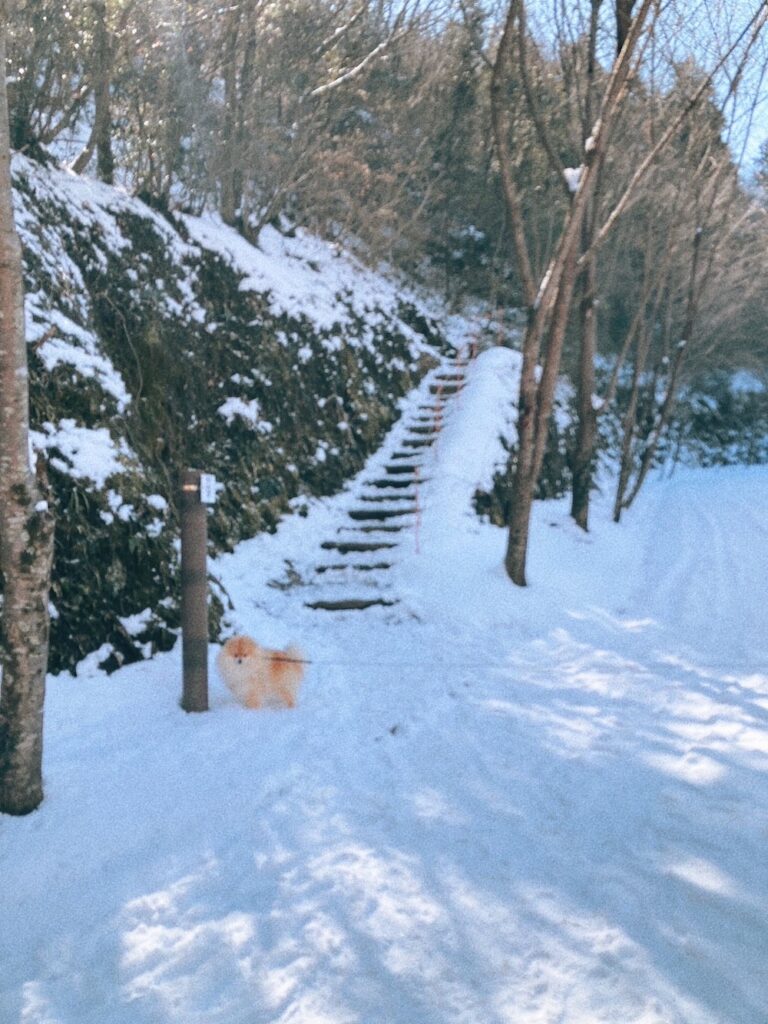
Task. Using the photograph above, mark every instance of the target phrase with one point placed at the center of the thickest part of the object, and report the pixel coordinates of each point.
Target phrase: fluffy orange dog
(259, 677)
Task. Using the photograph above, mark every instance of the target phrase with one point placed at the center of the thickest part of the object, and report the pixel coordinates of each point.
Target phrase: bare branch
(756, 23)
(340, 32)
(533, 107)
(347, 76)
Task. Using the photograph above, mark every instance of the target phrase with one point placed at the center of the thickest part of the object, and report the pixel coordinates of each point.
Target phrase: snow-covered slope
(160, 343)
(492, 806)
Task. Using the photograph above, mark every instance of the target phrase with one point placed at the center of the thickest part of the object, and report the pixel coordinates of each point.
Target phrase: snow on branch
(346, 76)
(340, 32)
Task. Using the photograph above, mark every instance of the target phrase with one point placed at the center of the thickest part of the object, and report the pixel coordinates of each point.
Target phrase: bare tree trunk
(549, 313)
(623, 21)
(534, 411)
(231, 177)
(26, 523)
(662, 421)
(102, 127)
(670, 396)
(630, 416)
(545, 398)
(582, 456)
(642, 326)
(106, 45)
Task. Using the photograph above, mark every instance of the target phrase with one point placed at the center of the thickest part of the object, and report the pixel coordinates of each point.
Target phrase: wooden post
(194, 594)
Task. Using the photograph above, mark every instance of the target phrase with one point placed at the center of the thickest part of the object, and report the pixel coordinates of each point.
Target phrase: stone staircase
(381, 523)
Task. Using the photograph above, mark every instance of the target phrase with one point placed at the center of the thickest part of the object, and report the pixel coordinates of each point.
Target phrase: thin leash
(364, 663)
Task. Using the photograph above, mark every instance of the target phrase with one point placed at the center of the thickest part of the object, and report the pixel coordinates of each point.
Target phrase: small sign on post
(208, 488)
(194, 591)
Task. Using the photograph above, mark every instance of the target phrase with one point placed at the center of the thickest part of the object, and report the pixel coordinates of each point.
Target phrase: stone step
(365, 514)
(353, 567)
(386, 507)
(392, 482)
(348, 546)
(408, 496)
(346, 604)
(374, 528)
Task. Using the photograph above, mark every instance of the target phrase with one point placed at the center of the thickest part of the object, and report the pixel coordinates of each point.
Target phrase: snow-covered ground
(492, 806)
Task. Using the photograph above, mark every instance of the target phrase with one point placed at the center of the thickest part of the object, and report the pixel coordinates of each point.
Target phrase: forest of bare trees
(373, 122)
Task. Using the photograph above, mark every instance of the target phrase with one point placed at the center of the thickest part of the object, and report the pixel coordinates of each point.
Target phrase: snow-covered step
(401, 482)
(418, 442)
(425, 429)
(347, 604)
(403, 462)
(336, 584)
(385, 506)
(347, 592)
(409, 496)
(393, 483)
(380, 514)
(394, 468)
(347, 545)
(370, 528)
(353, 567)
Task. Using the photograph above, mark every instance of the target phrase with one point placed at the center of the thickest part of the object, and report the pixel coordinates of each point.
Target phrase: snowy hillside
(160, 343)
(492, 806)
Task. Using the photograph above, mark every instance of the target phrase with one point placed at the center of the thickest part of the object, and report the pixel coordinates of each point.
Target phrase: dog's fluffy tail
(286, 673)
(295, 654)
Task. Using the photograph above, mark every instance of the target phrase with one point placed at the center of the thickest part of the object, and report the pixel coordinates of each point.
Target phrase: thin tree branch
(533, 107)
(352, 73)
(756, 23)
